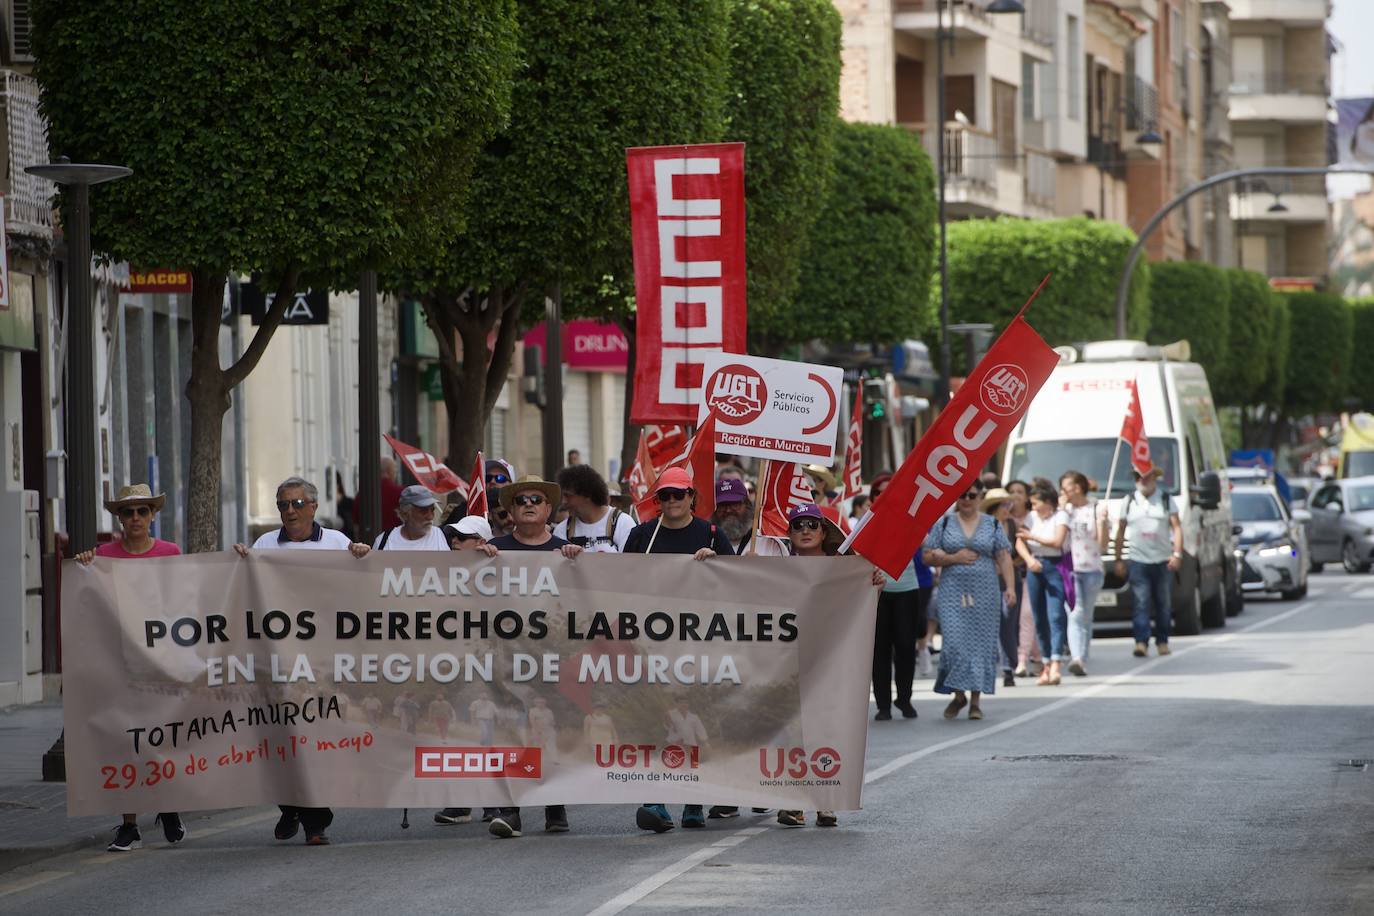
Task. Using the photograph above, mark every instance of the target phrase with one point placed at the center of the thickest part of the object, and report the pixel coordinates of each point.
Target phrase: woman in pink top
(135, 507)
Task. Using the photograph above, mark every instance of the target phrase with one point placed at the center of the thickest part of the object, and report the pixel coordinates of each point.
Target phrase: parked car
(1273, 544)
(1303, 488)
(1343, 524)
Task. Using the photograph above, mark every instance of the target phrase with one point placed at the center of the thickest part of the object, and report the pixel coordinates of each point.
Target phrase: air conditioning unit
(17, 28)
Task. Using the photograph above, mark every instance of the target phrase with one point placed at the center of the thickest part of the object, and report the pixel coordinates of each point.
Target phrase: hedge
(1252, 338)
(1362, 368)
(1191, 300)
(1319, 349)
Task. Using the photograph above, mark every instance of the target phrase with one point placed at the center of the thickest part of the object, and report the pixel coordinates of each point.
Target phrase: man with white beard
(734, 517)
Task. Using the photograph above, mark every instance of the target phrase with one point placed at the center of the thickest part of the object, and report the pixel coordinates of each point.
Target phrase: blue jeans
(1150, 590)
(1086, 585)
(1047, 607)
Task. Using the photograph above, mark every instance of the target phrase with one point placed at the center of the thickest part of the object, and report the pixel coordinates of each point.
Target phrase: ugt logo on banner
(687, 226)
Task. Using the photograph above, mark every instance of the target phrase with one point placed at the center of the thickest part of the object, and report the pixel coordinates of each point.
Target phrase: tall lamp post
(941, 37)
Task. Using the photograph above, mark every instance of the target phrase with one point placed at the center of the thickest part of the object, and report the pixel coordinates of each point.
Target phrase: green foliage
(1276, 366)
(994, 266)
(783, 103)
(299, 133)
(1191, 300)
(1319, 351)
(866, 273)
(1248, 358)
(1361, 366)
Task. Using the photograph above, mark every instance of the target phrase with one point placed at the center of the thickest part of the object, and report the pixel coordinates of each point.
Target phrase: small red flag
(430, 471)
(853, 449)
(642, 475)
(477, 489)
(785, 486)
(1133, 431)
(699, 458)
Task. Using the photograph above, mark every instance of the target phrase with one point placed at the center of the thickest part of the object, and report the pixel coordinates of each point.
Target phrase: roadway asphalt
(1211, 782)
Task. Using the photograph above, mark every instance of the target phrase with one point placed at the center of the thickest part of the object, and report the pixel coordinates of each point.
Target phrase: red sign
(430, 471)
(589, 346)
(948, 458)
(687, 224)
(159, 281)
(699, 458)
(477, 489)
(853, 448)
(737, 394)
(1133, 431)
(478, 763)
(785, 486)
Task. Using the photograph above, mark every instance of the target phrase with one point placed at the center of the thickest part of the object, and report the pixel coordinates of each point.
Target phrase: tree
(1362, 369)
(866, 274)
(1251, 338)
(301, 139)
(1276, 366)
(783, 103)
(549, 202)
(1191, 300)
(994, 265)
(1319, 349)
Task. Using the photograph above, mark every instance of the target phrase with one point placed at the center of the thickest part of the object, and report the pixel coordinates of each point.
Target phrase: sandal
(975, 712)
(1044, 680)
(956, 704)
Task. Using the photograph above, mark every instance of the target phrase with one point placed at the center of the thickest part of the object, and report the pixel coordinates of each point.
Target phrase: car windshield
(1255, 507)
(1298, 492)
(1093, 458)
(1357, 464)
(1359, 499)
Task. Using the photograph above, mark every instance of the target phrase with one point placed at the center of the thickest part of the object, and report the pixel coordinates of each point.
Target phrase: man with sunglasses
(135, 507)
(298, 500)
(676, 530)
(530, 501)
(417, 530)
(499, 475)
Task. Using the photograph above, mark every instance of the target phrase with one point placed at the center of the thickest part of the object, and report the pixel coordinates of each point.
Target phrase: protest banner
(313, 678)
(773, 408)
(687, 231)
(428, 470)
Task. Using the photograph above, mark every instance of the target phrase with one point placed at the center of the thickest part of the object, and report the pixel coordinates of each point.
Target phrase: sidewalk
(33, 814)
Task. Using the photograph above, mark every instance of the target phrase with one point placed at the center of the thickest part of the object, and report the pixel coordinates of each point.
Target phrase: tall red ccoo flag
(949, 456)
(1133, 432)
(853, 448)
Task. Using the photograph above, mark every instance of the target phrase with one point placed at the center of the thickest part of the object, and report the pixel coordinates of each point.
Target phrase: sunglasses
(131, 511)
(497, 478)
(460, 536)
(972, 494)
(529, 499)
(284, 504)
(805, 524)
(671, 494)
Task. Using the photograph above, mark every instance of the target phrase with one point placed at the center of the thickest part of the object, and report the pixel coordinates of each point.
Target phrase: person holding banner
(1042, 546)
(135, 506)
(591, 524)
(976, 579)
(415, 508)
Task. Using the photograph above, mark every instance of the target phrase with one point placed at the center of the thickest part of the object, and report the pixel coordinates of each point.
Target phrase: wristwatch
(1177, 555)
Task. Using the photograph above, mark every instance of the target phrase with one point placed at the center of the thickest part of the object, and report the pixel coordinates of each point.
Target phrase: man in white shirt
(417, 530)
(591, 523)
(1150, 518)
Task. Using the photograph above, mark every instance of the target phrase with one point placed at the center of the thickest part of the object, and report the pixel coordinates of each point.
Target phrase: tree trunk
(629, 443)
(208, 391)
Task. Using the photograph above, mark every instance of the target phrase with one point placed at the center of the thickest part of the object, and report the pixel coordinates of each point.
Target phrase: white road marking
(1363, 593)
(629, 898)
(34, 880)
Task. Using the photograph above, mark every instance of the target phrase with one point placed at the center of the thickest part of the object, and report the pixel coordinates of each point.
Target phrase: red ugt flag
(853, 448)
(699, 458)
(477, 490)
(784, 487)
(1133, 431)
(430, 471)
(948, 458)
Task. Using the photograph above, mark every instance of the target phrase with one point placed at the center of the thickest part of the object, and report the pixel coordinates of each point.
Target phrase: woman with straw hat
(135, 506)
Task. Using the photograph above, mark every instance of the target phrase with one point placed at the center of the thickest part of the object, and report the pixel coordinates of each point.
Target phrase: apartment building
(1279, 91)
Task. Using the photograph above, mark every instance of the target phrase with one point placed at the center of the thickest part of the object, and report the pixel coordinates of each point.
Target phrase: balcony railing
(28, 205)
(1279, 82)
(1142, 105)
(1288, 184)
(1042, 178)
(970, 153)
(971, 7)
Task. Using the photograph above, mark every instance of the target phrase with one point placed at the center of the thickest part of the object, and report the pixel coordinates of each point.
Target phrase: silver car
(1342, 526)
(1273, 545)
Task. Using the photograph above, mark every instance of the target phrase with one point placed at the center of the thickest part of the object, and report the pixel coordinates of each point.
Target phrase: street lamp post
(941, 37)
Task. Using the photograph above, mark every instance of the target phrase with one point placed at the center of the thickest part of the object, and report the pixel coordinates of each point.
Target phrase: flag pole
(754, 532)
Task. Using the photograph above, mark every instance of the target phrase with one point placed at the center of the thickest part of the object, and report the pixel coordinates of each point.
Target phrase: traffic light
(875, 399)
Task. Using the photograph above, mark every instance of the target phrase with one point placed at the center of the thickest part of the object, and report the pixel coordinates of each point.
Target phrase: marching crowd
(1007, 579)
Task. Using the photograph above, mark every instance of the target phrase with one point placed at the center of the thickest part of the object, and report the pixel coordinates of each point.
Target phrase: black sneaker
(490, 814)
(316, 839)
(722, 811)
(760, 810)
(287, 825)
(908, 711)
(506, 826)
(172, 827)
(791, 818)
(453, 816)
(884, 715)
(1008, 680)
(555, 819)
(126, 837)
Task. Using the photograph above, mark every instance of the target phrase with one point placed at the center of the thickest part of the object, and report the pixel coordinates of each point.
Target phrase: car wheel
(1188, 621)
(1314, 566)
(1235, 598)
(1214, 608)
(1351, 560)
(1294, 594)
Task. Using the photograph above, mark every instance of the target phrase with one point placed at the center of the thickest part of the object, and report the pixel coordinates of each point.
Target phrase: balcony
(1302, 196)
(1041, 182)
(1283, 96)
(981, 182)
(28, 200)
(1142, 114)
(1291, 12)
(964, 18)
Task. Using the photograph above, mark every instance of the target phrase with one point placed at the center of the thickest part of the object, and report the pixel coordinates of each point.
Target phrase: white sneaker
(923, 662)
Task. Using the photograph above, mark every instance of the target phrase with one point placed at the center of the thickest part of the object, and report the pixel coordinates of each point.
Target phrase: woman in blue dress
(974, 558)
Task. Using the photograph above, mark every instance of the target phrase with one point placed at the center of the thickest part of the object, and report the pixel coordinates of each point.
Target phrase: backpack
(612, 519)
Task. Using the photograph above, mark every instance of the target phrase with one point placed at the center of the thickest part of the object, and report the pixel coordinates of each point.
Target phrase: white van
(1074, 423)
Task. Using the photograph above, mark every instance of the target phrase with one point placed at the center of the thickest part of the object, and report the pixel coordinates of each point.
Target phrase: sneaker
(907, 710)
(316, 839)
(490, 814)
(655, 818)
(555, 819)
(792, 818)
(1076, 668)
(722, 811)
(826, 819)
(287, 825)
(126, 837)
(759, 810)
(1163, 648)
(1021, 671)
(884, 715)
(1008, 680)
(506, 826)
(1140, 650)
(923, 666)
(172, 827)
(453, 816)
(693, 816)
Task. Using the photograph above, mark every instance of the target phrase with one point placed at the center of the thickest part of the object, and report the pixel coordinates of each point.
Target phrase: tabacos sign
(159, 280)
(772, 408)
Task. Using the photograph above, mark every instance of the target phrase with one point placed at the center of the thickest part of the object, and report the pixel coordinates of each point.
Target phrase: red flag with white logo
(699, 458)
(477, 489)
(853, 448)
(664, 442)
(432, 473)
(1133, 431)
(642, 475)
(687, 229)
(947, 460)
(785, 486)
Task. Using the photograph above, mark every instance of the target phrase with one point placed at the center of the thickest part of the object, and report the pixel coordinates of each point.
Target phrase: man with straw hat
(135, 506)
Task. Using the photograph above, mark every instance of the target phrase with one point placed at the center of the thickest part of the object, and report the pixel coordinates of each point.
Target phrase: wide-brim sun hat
(994, 497)
(552, 492)
(822, 474)
(1154, 471)
(139, 494)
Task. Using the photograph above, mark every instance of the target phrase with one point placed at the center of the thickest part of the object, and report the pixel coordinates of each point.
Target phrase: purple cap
(810, 510)
(731, 490)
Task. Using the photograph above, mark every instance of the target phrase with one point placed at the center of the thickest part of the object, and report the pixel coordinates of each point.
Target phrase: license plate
(1106, 599)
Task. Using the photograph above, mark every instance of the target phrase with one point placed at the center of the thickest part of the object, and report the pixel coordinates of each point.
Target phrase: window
(1029, 71)
(1004, 121)
(1327, 497)
(1074, 62)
